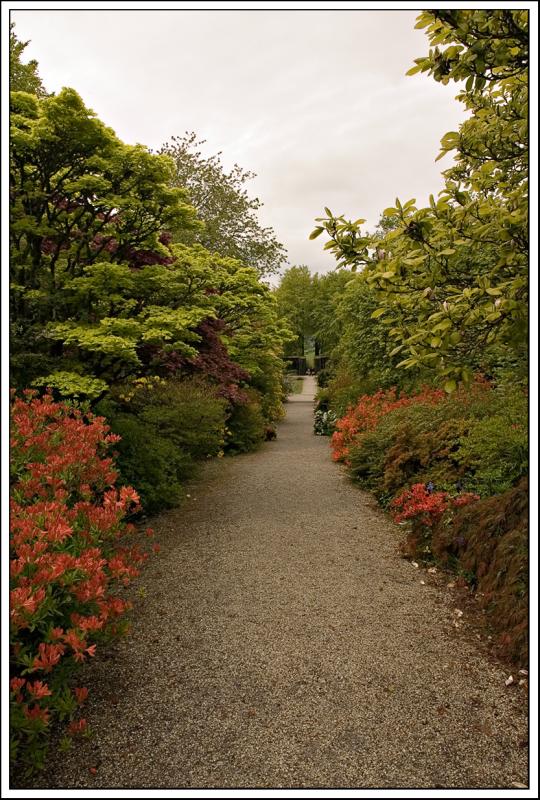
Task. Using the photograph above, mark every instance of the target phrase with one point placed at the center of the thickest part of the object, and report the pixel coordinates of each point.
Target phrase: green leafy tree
(230, 215)
(83, 205)
(22, 77)
(294, 297)
(452, 278)
(326, 293)
(100, 293)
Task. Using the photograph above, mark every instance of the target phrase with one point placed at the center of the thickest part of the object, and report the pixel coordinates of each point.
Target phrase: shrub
(167, 428)
(67, 563)
(189, 413)
(432, 437)
(324, 376)
(246, 426)
(489, 542)
(424, 508)
(324, 422)
(494, 453)
(368, 411)
(149, 461)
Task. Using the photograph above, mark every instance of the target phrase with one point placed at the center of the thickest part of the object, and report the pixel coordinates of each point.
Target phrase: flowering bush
(419, 504)
(367, 412)
(425, 510)
(67, 563)
(324, 422)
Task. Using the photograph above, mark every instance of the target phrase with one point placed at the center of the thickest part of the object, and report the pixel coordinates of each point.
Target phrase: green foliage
(294, 297)
(86, 211)
(246, 426)
(148, 460)
(22, 77)
(188, 413)
(231, 227)
(167, 428)
(495, 451)
(364, 349)
(71, 384)
(451, 279)
(343, 390)
(477, 438)
(324, 376)
(103, 300)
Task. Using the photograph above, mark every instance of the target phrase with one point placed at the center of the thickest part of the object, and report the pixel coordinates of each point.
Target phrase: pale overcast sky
(315, 102)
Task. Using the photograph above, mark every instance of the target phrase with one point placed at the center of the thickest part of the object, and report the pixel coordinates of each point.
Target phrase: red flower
(77, 727)
(81, 693)
(16, 684)
(38, 690)
(36, 712)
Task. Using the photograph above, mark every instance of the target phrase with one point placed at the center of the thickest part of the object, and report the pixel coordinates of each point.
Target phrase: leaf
(493, 291)
(378, 313)
(359, 222)
(316, 232)
(436, 341)
(389, 212)
(450, 386)
(328, 212)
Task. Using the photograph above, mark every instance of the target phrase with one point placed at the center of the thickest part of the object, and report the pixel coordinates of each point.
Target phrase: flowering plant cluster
(68, 562)
(367, 412)
(324, 422)
(426, 508)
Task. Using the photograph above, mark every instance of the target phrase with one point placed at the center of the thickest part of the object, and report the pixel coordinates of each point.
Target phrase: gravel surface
(282, 642)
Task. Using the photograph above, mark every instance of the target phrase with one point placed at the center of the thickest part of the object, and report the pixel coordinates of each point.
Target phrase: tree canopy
(100, 291)
(230, 215)
(22, 77)
(454, 275)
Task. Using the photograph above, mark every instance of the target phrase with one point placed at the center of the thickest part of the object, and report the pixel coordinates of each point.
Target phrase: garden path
(282, 642)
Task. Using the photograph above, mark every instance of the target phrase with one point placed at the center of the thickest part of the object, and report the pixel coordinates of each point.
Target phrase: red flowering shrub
(419, 504)
(367, 412)
(67, 557)
(425, 510)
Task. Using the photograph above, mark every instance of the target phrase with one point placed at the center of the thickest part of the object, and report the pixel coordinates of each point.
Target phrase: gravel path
(282, 642)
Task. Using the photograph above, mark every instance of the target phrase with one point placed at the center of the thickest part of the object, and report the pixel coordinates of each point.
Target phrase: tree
(100, 294)
(22, 77)
(294, 297)
(83, 205)
(326, 291)
(453, 276)
(231, 226)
